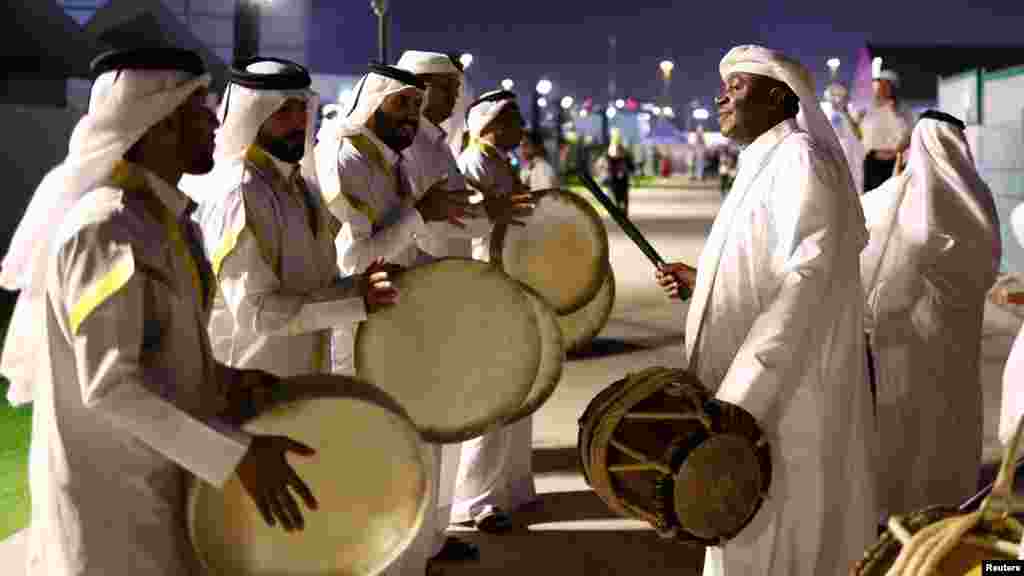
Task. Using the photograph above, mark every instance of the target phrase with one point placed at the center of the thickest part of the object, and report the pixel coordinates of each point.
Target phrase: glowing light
(876, 67)
(507, 84)
(666, 68)
(466, 60)
(544, 87)
(701, 114)
(542, 102)
(567, 102)
(620, 103)
(610, 112)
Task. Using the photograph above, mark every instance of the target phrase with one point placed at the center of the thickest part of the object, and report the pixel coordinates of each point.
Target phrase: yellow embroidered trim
(97, 294)
(322, 352)
(486, 148)
(226, 247)
(367, 148)
(129, 178)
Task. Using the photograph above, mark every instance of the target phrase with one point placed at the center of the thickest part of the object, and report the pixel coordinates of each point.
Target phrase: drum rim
(579, 340)
(496, 419)
(498, 235)
(552, 357)
(380, 399)
(874, 558)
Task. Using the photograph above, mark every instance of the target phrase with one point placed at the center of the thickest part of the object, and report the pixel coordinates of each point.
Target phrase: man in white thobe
(776, 322)
(537, 173)
(847, 130)
(495, 471)
(109, 340)
(885, 130)
(368, 184)
(270, 240)
(933, 255)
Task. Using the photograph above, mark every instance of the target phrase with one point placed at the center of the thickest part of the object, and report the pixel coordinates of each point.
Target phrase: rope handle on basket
(922, 552)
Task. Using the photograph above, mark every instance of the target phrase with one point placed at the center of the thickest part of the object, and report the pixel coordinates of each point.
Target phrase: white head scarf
(371, 91)
(486, 109)
(455, 125)
(889, 75)
(123, 105)
(953, 197)
(419, 62)
(243, 110)
(761, 61)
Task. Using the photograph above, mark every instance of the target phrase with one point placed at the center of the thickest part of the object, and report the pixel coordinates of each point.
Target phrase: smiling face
(283, 135)
(398, 119)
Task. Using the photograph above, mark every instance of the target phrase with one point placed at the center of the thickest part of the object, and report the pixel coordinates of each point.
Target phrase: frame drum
(372, 501)
(460, 350)
(549, 373)
(581, 326)
(561, 252)
(656, 446)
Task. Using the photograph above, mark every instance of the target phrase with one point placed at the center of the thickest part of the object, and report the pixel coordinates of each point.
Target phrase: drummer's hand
(379, 291)
(510, 208)
(266, 476)
(673, 275)
(440, 204)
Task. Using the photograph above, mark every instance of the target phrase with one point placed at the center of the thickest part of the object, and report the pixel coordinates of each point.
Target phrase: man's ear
(777, 97)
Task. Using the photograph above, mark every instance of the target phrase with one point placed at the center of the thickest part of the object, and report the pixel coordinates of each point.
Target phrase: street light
(567, 102)
(656, 110)
(701, 114)
(380, 8)
(542, 102)
(666, 72)
(667, 111)
(507, 84)
(466, 60)
(544, 87)
(620, 103)
(610, 112)
(833, 66)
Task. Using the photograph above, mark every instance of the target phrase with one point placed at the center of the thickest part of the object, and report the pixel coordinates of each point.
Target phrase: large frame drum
(460, 350)
(656, 446)
(580, 327)
(549, 371)
(561, 252)
(373, 498)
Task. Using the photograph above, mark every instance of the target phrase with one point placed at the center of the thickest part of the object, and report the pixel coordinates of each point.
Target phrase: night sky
(567, 40)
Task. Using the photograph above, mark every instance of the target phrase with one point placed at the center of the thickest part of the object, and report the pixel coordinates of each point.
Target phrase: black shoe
(456, 550)
(493, 521)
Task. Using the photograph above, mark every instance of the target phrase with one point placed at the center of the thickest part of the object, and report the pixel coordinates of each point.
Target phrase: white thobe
(494, 469)
(886, 127)
(379, 221)
(1012, 407)
(430, 159)
(540, 175)
(271, 243)
(853, 149)
(927, 269)
(131, 396)
(486, 167)
(776, 327)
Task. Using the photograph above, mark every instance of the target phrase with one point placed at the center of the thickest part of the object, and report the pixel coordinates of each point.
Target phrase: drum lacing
(922, 552)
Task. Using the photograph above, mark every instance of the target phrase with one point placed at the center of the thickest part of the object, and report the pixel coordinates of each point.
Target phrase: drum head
(562, 252)
(580, 327)
(549, 372)
(372, 502)
(459, 351)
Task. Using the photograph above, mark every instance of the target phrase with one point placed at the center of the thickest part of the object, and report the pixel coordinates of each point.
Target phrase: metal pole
(247, 29)
(380, 8)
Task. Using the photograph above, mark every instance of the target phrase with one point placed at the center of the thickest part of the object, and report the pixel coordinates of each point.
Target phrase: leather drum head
(718, 487)
(373, 497)
(562, 252)
(459, 351)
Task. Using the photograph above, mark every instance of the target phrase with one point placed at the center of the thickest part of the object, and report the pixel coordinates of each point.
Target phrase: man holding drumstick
(776, 322)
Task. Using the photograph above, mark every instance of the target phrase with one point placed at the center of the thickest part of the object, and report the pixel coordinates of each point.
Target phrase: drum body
(549, 371)
(966, 558)
(656, 446)
(561, 252)
(459, 351)
(580, 327)
(372, 502)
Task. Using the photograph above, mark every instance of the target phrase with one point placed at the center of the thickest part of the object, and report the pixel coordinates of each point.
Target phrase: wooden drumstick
(628, 227)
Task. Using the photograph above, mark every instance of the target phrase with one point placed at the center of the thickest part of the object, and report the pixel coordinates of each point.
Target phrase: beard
(289, 149)
(391, 132)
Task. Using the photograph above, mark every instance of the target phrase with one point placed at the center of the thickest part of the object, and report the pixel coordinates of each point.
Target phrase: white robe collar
(761, 145)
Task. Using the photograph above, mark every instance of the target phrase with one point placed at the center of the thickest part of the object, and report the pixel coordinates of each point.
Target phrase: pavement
(570, 531)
